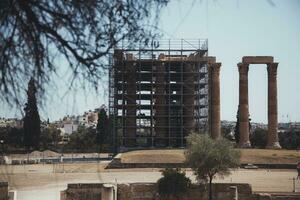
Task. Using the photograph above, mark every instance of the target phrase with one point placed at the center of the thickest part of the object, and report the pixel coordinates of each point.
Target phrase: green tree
(102, 128)
(12, 137)
(15, 136)
(45, 138)
(84, 140)
(237, 130)
(50, 137)
(173, 183)
(258, 138)
(32, 124)
(226, 133)
(208, 158)
(290, 139)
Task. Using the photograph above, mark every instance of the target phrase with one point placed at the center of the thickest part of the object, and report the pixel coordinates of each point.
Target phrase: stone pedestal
(273, 141)
(243, 106)
(108, 192)
(215, 101)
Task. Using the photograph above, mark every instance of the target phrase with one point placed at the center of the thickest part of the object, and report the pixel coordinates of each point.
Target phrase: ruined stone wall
(141, 191)
(82, 192)
(148, 191)
(137, 191)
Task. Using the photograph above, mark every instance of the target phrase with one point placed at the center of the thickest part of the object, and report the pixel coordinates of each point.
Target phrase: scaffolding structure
(159, 93)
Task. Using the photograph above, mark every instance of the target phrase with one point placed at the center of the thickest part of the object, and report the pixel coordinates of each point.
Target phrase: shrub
(173, 183)
(259, 138)
(290, 139)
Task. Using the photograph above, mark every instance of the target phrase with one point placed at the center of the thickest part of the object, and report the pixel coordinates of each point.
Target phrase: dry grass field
(261, 156)
(257, 156)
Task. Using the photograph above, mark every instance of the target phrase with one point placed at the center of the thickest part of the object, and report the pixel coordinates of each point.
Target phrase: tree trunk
(210, 188)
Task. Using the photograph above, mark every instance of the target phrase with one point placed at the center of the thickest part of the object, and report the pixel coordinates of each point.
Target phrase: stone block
(258, 59)
(79, 191)
(124, 192)
(210, 59)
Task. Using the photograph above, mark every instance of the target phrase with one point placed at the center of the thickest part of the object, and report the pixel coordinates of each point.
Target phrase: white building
(11, 122)
(68, 127)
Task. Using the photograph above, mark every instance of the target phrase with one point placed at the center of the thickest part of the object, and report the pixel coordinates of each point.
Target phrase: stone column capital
(243, 68)
(272, 69)
(215, 67)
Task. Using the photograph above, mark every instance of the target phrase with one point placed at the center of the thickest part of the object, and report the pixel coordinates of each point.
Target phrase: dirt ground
(45, 181)
(257, 156)
(37, 182)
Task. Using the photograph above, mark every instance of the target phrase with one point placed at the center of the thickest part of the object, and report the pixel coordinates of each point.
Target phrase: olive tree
(208, 158)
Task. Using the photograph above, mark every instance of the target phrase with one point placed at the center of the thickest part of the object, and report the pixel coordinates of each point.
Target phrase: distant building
(11, 122)
(68, 126)
(295, 126)
(89, 118)
(258, 125)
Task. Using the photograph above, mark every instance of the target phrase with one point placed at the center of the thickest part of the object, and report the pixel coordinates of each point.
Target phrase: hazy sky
(237, 28)
(234, 28)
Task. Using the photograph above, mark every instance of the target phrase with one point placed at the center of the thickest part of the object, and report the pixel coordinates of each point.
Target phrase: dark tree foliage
(32, 124)
(290, 139)
(237, 130)
(33, 33)
(173, 183)
(49, 138)
(15, 137)
(226, 133)
(84, 140)
(102, 128)
(258, 138)
(12, 136)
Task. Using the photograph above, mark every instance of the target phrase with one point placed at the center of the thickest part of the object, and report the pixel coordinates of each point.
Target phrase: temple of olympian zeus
(158, 100)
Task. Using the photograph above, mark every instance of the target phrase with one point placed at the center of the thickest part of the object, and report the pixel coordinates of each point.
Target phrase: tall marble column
(215, 101)
(273, 141)
(243, 106)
